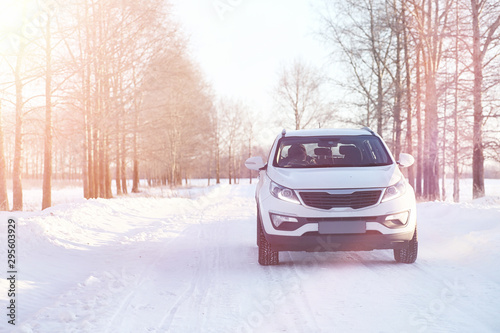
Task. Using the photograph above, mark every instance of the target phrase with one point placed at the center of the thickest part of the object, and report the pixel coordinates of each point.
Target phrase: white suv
(333, 190)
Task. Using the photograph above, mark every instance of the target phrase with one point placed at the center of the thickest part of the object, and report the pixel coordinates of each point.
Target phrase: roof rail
(283, 132)
(369, 130)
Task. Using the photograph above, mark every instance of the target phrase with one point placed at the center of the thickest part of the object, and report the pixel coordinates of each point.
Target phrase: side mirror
(255, 163)
(406, 160)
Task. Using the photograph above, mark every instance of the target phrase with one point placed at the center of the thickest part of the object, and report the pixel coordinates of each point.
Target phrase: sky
(241, 45)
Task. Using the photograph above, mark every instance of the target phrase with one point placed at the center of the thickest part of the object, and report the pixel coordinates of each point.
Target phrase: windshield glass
(331, 151)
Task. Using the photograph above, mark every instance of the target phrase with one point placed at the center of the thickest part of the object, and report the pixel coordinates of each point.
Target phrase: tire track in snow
(212, 296)
(306, 321)
(188, 244)
(208, 246)
(117, 317)
(196, 282)
(149, 291)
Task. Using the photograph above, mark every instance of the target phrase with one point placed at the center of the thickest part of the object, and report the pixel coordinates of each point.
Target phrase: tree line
(425, 75)
(105, 91)
(422, 73)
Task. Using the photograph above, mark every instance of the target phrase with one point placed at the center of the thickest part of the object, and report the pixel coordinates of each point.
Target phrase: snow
(186, 261)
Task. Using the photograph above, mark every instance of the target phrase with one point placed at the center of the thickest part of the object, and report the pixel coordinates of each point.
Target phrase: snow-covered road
(153, 264)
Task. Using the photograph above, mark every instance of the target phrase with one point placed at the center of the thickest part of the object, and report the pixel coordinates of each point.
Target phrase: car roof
(330, 131)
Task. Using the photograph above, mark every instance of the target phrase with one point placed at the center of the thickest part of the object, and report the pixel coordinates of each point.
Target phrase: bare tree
(4, 199)
(298, 93)
(408, 92)
(175, 117)
(135, 144)
(17, 187)
(47, 161)
(249, 125)
(398, 29)
(230, 114)
(485, 23)
(216, 132)
(430, 26)
(363, 32)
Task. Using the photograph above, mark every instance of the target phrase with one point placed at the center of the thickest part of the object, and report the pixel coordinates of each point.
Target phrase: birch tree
(17, 187)
(47, 160)
(362, 31)
(298, 94)
(4, 199)
(485, 24)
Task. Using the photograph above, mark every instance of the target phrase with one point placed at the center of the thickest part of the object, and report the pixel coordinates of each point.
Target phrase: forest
(424, 75)
(105, 91)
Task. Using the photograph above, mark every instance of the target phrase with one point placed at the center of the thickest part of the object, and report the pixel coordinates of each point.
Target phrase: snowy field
(186, 261)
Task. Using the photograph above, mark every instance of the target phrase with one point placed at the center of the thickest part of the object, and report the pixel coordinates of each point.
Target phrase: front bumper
(314, 242)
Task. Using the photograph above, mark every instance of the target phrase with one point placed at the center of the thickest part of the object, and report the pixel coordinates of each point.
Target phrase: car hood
(335, 178)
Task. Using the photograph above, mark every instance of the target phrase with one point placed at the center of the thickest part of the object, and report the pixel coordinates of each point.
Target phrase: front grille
(355, 200)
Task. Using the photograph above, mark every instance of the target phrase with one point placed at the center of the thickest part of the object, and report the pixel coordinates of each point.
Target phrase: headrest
(323, 152)
(346, 150)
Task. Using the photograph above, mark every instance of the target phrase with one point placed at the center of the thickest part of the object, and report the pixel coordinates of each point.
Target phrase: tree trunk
(102, 167)
(118, 177)
(443, 151)
(250, 155)
(123, 165)
(431, 162)
(47, 160)
(409, 115)
(95, 160)
(399, 93)
(107, 172)
(380, 103)
(217, 160)
(17, 188)
(135, 175)
(418, 104)
(85, 171)
(90, 156)
(456, 176)
(477, 140)
(4, 198)
(229, 164)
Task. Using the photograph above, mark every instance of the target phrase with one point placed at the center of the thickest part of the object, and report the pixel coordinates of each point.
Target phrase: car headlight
(395, 191)
(283, 193)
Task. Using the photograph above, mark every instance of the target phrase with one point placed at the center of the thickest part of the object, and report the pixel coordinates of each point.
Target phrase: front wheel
(408, 255)
(267, 256)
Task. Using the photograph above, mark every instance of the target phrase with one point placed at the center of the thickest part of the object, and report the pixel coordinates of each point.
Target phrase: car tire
(259, 227)
(408, 255)
(267, 256)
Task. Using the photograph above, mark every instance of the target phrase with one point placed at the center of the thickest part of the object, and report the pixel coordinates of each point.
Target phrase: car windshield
(331, 151)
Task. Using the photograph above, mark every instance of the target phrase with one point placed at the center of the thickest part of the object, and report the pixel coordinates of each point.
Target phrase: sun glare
(11, 16)
(21, 19)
